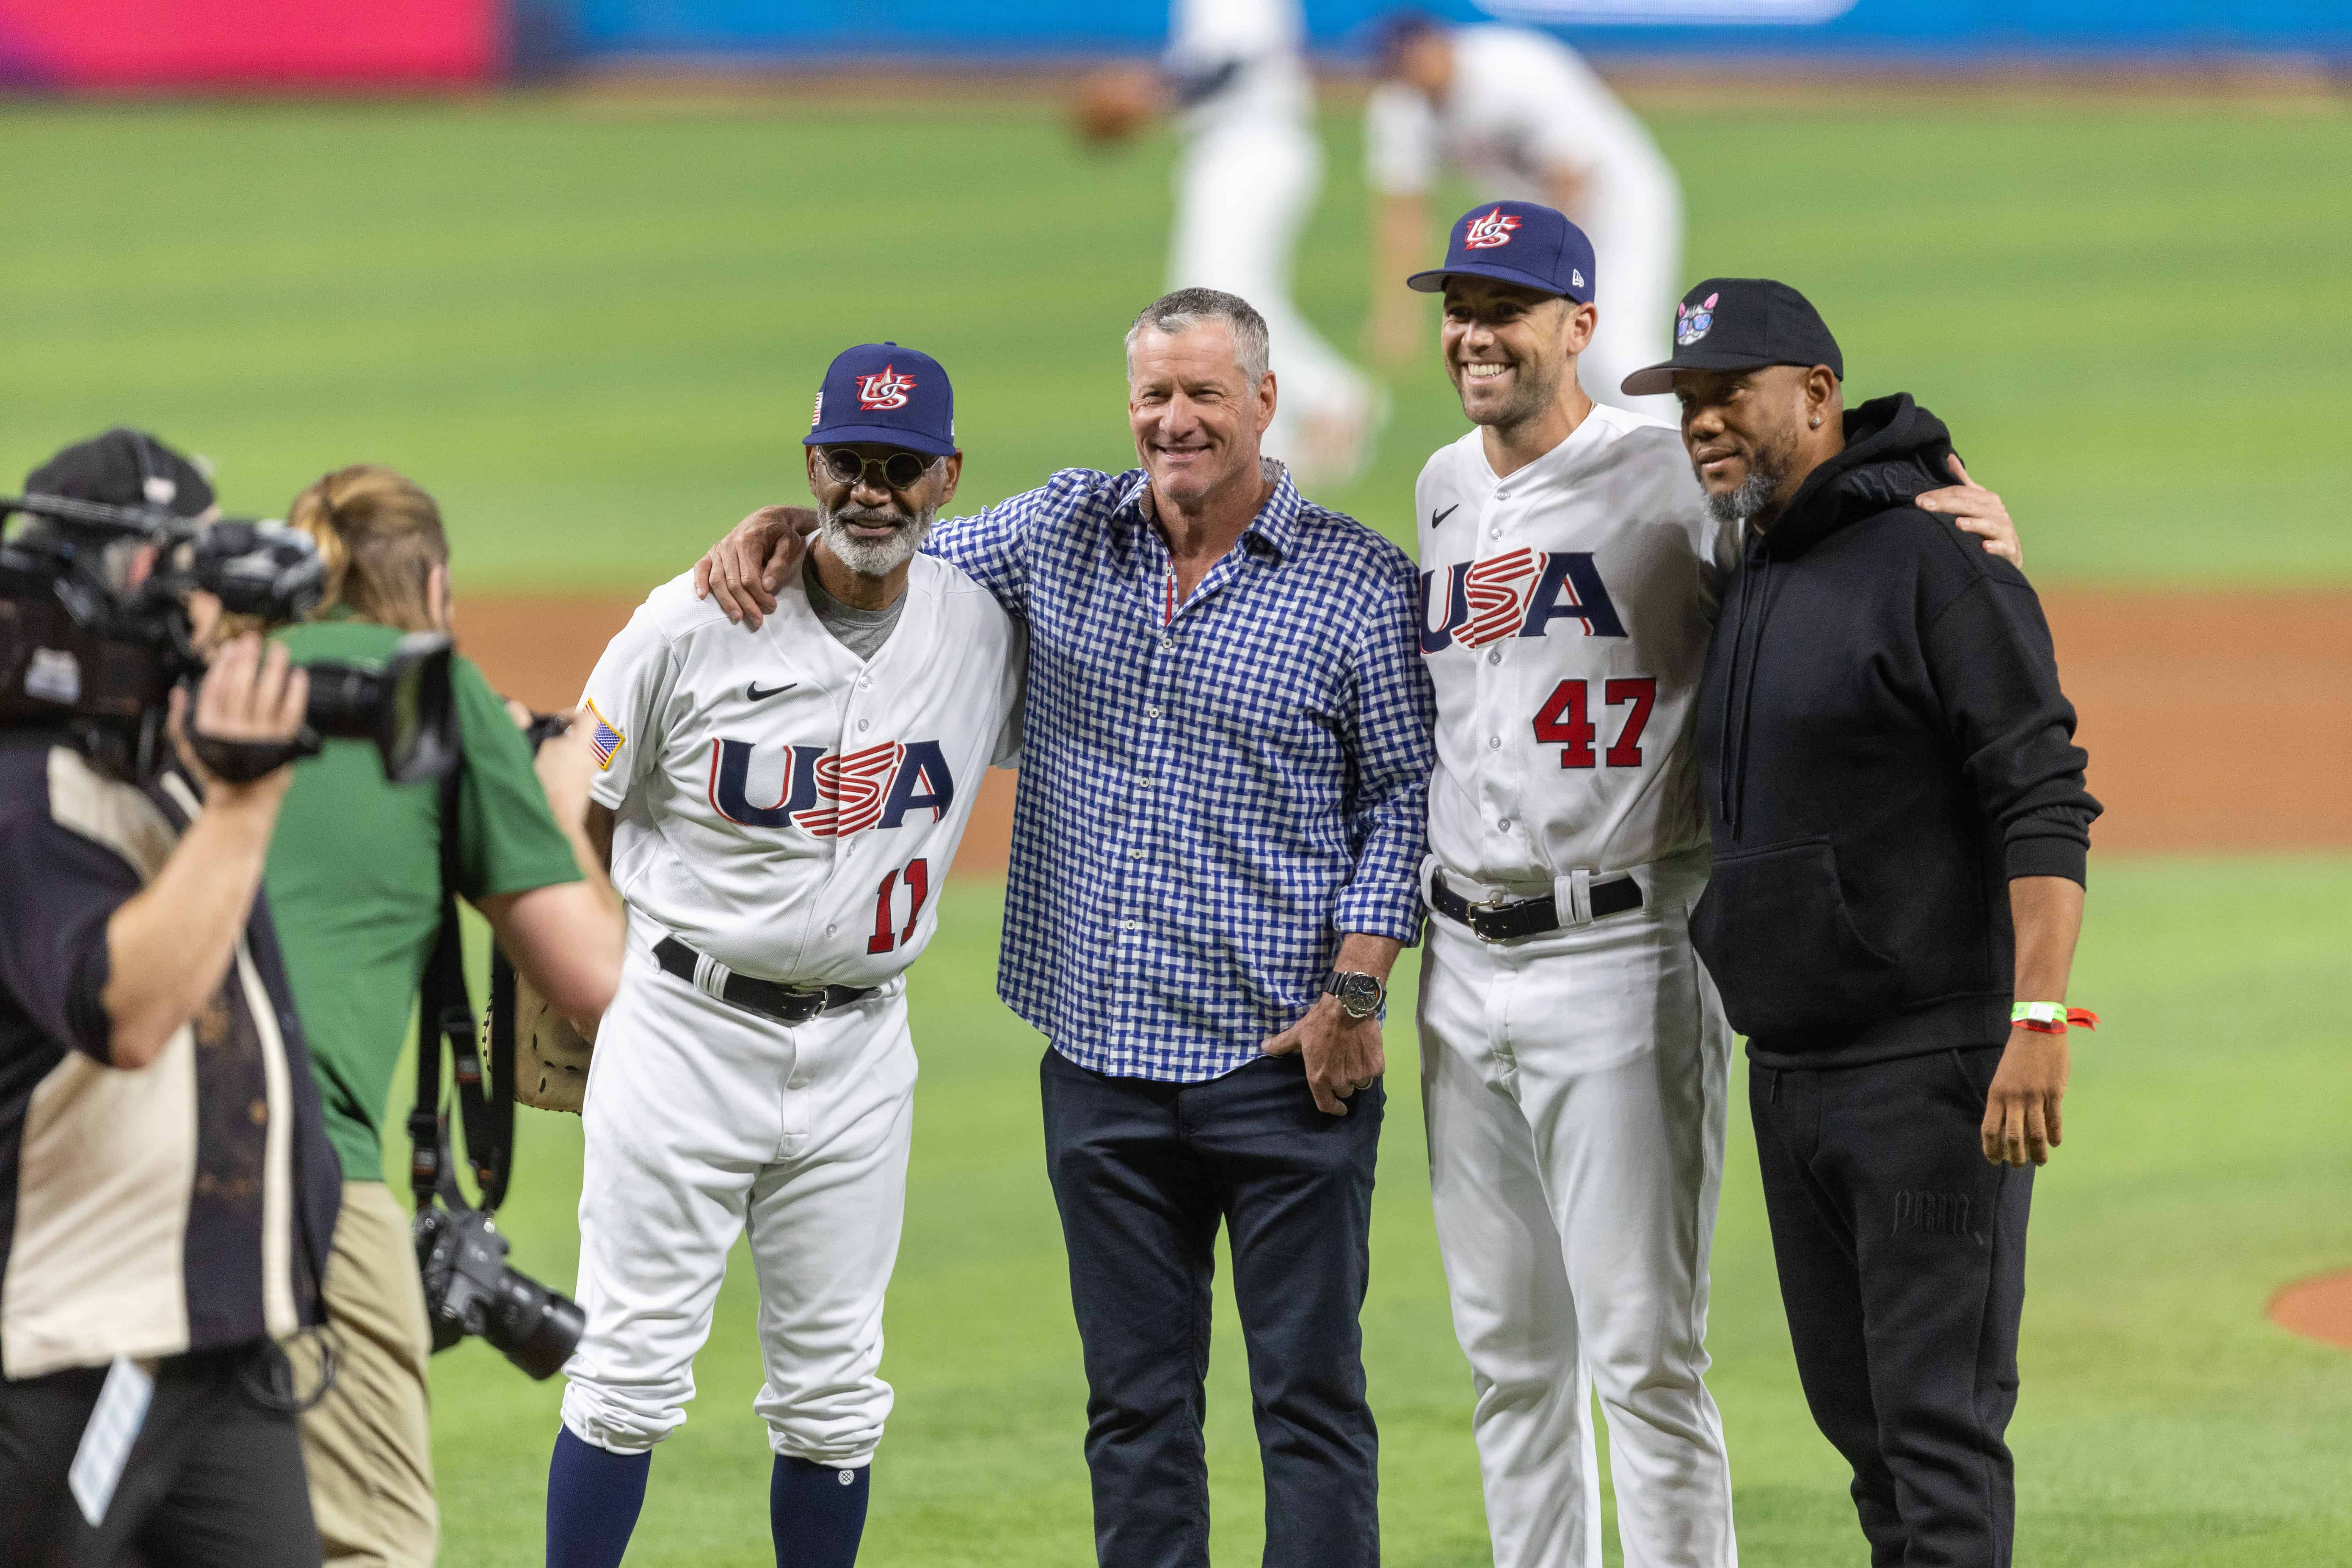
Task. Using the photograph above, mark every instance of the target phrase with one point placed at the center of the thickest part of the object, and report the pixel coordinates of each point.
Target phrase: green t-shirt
(354, 882)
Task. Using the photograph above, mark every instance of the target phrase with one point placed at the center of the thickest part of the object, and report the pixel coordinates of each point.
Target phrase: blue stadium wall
(1014, 29)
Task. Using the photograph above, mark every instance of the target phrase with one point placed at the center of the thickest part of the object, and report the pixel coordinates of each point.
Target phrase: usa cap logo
(1487, 232)
(883, 389)
(1693, 321)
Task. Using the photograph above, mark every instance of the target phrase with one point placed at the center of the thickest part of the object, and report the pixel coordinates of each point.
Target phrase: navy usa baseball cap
(1741, 324)
(1516, 242)
(881, 392)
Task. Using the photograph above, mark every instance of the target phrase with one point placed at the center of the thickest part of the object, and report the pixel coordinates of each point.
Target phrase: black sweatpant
(213, 1481)
(1143, 1173)
(1902, 1260)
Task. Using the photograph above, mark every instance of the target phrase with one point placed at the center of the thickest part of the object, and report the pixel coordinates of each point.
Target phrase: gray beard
(1748, 498)
(868, 557)
(1745, 500)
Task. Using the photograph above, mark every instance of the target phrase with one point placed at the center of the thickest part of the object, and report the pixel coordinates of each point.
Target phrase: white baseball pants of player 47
(1574, 1085)
(703, 1121)
(1243, 191)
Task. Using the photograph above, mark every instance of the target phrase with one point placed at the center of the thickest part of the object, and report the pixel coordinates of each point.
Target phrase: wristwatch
(1359, 995)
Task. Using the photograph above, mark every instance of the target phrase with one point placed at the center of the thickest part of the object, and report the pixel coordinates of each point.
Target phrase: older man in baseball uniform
(780, 809)
(1574, 1052)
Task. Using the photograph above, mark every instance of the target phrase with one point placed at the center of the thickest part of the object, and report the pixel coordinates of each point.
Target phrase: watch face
(1360, 994)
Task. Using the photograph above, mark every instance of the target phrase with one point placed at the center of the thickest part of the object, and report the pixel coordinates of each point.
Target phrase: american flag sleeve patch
(603, 739)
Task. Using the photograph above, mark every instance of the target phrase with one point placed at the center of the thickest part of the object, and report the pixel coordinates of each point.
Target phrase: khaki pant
(366, 1445)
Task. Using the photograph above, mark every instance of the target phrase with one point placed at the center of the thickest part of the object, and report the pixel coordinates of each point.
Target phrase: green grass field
(2163, 1422)
(594, 333)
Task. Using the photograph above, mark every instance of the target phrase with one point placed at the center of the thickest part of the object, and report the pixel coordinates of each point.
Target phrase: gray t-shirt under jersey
(862, 632)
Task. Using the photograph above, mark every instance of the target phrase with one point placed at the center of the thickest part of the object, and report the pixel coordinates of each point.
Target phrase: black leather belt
(1526, 917)
(765, 997)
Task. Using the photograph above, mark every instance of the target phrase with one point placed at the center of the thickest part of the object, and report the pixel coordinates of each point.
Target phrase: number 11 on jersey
(886, 934)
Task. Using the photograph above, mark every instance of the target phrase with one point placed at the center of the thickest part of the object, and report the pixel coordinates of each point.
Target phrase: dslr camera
(469, 1289)
(90, 646)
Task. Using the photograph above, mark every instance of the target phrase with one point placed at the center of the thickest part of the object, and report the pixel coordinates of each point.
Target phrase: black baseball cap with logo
(124, 468)
(1740, 323)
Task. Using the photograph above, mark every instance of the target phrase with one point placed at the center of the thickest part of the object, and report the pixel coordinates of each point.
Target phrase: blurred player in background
(1525, 119)
(1246, 182)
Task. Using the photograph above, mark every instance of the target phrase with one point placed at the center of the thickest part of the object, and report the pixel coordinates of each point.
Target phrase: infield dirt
(2215, 721)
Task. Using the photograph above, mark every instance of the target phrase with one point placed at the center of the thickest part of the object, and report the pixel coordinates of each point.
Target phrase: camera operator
(167, 1188)
(356, 881)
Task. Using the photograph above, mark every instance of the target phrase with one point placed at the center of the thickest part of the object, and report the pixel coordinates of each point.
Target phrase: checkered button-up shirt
(1208, 799)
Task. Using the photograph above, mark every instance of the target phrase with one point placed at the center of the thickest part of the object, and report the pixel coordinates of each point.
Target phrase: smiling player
(779, 808)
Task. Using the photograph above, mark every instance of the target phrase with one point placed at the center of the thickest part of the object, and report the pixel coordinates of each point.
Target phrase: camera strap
(446, 1014)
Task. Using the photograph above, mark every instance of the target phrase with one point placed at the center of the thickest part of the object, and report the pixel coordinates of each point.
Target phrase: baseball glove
(550, 1055)
(1111, 105)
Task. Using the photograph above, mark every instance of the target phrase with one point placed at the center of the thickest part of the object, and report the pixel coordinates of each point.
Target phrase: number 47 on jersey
(1566, 719)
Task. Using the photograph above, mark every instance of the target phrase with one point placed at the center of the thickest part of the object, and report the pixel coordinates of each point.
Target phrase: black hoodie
(1883, 745)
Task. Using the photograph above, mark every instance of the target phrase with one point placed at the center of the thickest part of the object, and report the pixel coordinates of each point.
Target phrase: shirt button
(864, 680)
(1151, 713)
(1169, 641)
(1494, 743)
(1494, 534)
(1494, 655)
(1135, 854)
(830, 930)
(1126, 925)
(861, 723)
(1505, 825)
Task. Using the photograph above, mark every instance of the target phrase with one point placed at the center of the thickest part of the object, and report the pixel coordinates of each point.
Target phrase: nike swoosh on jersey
(756, 695)
(1437, 517)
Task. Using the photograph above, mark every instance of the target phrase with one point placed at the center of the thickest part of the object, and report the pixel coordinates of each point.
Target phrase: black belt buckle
(1491, 920)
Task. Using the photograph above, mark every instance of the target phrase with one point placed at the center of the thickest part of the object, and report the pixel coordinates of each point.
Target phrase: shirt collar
(1277, 521)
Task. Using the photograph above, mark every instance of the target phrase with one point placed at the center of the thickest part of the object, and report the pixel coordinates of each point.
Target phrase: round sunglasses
(902, 470)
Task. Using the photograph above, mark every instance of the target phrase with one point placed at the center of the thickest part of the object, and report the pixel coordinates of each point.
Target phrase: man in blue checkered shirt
(1215, 845)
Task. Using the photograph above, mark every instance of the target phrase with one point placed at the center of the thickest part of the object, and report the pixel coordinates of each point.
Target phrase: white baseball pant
(704, 1120)
(1243, 192)
(1574, 1085)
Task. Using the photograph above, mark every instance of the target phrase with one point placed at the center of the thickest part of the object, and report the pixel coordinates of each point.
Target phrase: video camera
(89, 646)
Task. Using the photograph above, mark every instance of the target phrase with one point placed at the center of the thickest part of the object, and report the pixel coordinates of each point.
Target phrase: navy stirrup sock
(817, 1512)
(593, 1496)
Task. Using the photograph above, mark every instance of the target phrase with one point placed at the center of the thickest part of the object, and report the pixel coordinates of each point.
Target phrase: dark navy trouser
(1902, 1261)
(1143, 1174)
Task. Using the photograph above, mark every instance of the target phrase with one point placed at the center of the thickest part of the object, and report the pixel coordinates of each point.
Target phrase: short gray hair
(1188, 308)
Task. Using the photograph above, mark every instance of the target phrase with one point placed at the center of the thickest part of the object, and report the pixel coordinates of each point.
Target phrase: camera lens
(537, 1328)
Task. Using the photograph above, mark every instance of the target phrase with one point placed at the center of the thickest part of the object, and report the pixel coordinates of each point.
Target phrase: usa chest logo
(883, 389)
(834, 794)
(1487, 232)
(1518, 595)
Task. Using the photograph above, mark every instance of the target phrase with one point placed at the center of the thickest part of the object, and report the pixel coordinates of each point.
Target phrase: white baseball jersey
(782, 806)
(1565, 614)
(1521, 103)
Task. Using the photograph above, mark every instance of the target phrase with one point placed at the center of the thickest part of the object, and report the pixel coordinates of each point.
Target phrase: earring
(1817, 421)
